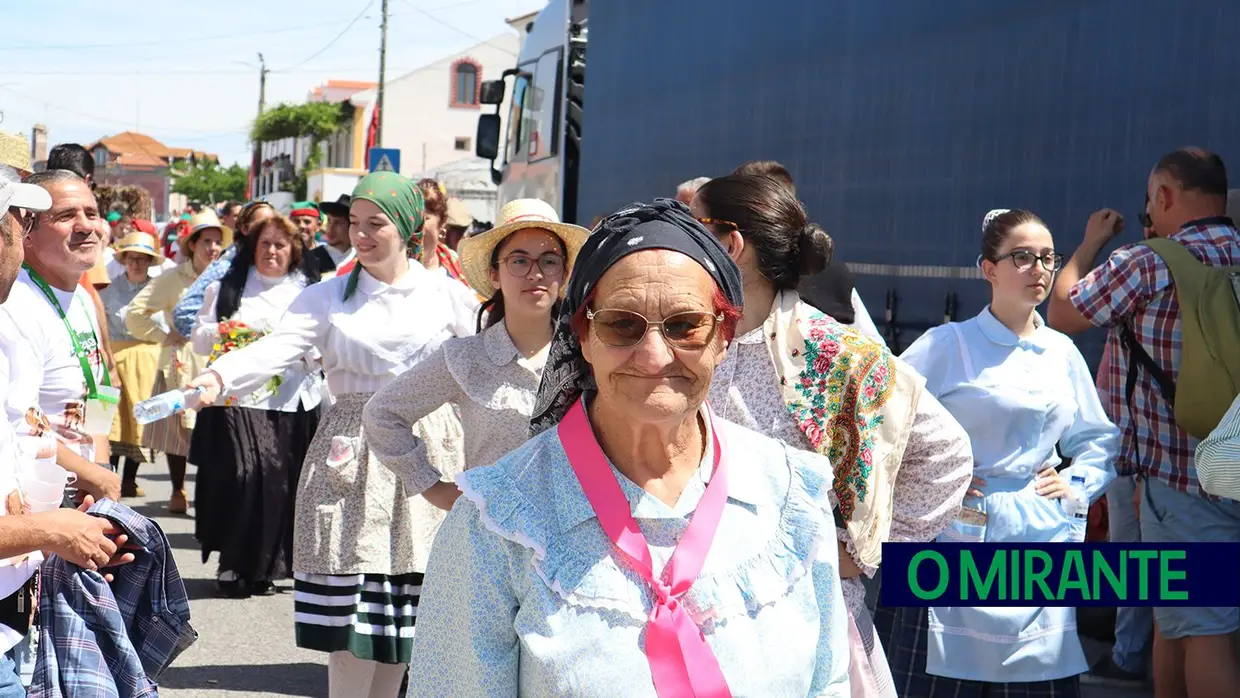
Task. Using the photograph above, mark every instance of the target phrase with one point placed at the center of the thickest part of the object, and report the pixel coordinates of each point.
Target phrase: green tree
(208, 182)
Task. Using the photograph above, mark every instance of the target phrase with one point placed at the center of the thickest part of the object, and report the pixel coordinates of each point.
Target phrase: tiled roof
(138, 150)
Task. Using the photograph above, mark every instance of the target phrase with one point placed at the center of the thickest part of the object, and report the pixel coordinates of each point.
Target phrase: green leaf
(208, 182)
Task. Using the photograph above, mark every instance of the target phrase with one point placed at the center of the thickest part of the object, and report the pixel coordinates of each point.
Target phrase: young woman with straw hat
(137, 361)
(492, 377)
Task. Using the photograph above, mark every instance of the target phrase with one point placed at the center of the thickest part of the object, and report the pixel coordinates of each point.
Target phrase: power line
(126, 124)
(166, 42)
(458, 30)
(329, 44)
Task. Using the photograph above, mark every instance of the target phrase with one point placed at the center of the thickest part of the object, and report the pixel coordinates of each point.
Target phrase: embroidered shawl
(855, 402)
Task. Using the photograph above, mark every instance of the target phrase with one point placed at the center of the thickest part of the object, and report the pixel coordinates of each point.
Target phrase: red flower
(813, 432)
(817, 334)
(822, 363)
(831, 347)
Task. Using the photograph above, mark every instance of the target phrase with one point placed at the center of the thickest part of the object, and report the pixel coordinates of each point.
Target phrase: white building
(431, 114)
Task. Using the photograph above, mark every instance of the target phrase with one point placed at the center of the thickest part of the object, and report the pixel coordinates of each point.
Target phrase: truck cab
(537, 155)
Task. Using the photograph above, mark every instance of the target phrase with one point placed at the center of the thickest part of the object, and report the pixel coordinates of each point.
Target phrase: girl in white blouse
(1020, 389)
(492, 378)
(360, 542)
(250, 451)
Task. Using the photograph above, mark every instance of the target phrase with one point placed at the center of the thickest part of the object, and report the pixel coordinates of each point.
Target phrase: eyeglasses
(551, 265)
(728, 225)
(1024, 260)
(1144, 219)
(622, 329)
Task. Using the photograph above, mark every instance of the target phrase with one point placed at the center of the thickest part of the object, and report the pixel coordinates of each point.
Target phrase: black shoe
(233, 589)
(263, 588)
(1108, 673)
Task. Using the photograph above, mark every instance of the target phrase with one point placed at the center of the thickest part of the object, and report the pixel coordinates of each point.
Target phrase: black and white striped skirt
(368, 615)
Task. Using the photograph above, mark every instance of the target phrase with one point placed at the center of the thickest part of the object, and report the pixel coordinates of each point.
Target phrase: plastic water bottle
(1075, 505)
(164, 405)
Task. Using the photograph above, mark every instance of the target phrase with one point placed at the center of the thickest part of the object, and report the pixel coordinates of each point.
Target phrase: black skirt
(249, 462)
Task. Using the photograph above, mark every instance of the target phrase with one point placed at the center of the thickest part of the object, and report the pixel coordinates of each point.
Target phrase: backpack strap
(1182, 265)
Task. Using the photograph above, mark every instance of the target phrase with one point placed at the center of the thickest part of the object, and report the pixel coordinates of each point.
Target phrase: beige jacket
(180, 364)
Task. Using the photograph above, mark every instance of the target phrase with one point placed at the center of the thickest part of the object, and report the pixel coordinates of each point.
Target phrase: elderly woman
(136, 361)
(201, 239)
(902, 463)
(638, 544)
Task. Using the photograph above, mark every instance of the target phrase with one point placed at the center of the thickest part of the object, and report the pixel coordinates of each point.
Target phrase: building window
(466, 75)
(101, 157)
(461, 144)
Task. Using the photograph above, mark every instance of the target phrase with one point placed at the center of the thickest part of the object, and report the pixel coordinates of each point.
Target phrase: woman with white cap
(137, 361)
(201, 238)
(491, 378)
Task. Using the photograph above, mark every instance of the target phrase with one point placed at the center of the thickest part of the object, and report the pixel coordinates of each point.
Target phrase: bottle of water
(1075, 504)
(164, 405)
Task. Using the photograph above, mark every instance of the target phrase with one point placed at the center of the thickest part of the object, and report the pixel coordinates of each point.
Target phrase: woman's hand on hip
(973, 490)
(1050, 484)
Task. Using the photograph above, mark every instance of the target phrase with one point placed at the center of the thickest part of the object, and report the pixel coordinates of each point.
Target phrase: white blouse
(365, 341)
(263, 302)
(492, 386)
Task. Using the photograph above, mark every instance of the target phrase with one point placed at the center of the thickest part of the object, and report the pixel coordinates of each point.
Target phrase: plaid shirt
(111, 641)
(1134, 287)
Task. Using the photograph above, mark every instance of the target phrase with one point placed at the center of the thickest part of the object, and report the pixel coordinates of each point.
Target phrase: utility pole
(382, 72)
(256, 162)
(262, 84)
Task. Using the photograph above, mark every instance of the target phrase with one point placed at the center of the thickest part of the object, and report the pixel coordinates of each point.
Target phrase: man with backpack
(1174, 370)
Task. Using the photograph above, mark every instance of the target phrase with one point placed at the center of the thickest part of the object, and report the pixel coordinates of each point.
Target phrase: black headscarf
(665, 224)
(232, 286)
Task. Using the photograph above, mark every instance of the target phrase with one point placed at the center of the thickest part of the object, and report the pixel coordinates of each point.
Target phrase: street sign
(385, 160)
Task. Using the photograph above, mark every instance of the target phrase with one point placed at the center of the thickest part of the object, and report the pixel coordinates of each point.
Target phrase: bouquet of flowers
(232, 335)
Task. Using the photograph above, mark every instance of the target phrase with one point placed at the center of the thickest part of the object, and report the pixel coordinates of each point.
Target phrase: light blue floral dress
(524, 594)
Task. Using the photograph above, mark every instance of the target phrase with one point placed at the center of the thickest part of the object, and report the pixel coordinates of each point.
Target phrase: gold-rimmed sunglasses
(622, 329)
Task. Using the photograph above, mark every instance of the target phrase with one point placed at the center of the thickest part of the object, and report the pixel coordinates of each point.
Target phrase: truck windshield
(518, 115)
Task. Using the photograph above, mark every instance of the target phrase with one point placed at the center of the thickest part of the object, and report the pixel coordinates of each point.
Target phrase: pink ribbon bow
(681, 661)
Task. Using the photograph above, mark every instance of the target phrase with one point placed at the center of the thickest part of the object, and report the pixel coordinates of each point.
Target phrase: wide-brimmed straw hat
(208, 219)
(140, 242)
(517, 215)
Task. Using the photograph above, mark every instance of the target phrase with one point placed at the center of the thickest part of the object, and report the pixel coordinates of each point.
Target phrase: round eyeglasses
(551, 265)
(1024, 260)
(622, 329)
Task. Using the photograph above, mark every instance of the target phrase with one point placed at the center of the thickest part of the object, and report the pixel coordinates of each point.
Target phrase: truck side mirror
(492, 92)
(487, 137)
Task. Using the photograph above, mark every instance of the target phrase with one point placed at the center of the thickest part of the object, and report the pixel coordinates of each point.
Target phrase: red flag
(372, 132)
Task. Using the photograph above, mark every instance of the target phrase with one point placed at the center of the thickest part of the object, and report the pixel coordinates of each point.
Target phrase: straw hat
(141, 242)
(516, 215)
(15, 152)
(208, 219)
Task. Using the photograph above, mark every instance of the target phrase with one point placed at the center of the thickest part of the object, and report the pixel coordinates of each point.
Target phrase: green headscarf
(400, 200)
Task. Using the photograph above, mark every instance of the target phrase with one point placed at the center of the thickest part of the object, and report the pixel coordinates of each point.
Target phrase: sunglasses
(622, 329)
(727, 226)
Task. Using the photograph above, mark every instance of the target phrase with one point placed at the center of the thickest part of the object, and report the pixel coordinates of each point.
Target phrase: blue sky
(172, 69)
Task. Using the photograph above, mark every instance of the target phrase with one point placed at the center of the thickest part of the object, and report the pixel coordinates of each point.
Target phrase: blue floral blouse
(524, 595)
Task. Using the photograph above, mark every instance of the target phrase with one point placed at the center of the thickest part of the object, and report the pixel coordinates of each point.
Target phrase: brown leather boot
(179, 504)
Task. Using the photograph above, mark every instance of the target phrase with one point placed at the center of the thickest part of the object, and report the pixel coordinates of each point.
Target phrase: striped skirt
(368, 615)
(169, 434)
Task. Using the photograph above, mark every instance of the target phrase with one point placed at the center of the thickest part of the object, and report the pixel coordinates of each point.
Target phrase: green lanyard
(92, 391)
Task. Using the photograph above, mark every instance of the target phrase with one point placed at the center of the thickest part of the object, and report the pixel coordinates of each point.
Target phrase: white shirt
(13, 572)
(263, 302)
(365, 341)
(862, 322)
(36, 340)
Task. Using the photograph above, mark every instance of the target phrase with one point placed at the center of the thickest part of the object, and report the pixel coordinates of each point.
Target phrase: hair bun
(814, 250)
(993, 214)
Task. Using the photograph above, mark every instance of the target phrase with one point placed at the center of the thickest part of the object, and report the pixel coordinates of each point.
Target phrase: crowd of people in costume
(658, 457)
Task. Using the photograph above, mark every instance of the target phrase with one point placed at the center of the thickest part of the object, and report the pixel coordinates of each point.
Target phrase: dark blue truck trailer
(903, 121)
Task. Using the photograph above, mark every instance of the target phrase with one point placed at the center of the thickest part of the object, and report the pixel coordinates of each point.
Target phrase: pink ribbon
(681, 662)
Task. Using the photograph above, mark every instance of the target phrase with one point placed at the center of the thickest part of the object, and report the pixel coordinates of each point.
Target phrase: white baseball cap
(13, 193)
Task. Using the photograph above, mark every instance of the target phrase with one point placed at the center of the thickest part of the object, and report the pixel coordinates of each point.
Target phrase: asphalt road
(245, 647)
